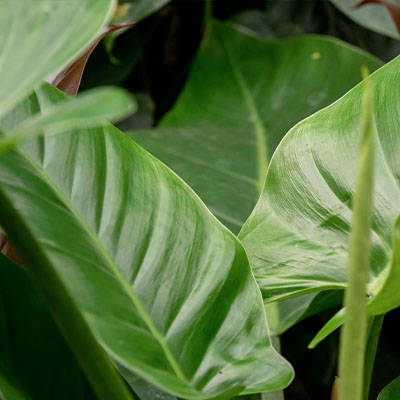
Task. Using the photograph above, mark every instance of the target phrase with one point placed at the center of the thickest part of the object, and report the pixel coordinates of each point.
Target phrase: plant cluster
(164, 262)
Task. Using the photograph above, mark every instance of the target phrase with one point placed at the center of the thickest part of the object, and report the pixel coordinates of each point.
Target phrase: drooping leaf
(34, 358)
(39, 37)
(297, 236)
(90, 109)
(164, 287)
(220, 135)
(391, 391)
(380, 16)
(69, 78)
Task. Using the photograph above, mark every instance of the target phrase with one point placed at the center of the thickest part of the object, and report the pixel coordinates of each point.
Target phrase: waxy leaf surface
(243, 94)
(165, 288)
(57, 30)
(297, 236)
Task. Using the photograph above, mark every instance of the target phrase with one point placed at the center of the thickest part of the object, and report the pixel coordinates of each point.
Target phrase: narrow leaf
(354, 331)
(334, 323)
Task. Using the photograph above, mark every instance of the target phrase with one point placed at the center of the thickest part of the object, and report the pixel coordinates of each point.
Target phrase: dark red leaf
(394, 10)
(335, 389)
(8, 250)
(69, 79)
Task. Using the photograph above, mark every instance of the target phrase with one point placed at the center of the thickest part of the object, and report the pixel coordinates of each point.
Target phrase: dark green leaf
(391, 391)
(33, 355)
(241, 97)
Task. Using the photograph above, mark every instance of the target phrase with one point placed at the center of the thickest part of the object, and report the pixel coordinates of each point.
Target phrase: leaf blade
(118, 235)
(26, 29)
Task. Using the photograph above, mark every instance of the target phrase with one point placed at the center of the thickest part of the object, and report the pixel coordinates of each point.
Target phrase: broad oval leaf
(219, 136)
(165, 288)
(34, 358)
(391, 391)
(297, 236)
(378, 15)
(38, 37)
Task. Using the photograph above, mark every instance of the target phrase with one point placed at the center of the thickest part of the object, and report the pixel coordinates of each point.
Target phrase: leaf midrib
(108, 260)
(255, 118)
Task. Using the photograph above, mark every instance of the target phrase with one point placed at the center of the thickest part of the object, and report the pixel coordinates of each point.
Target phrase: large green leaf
(374, 15)
(165, 288)
(37, 37)
(241, 97)
(297, 236)
(391, 391)
(34, 357)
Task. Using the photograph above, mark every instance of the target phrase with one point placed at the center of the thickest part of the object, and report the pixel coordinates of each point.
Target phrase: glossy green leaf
(34, 358)
(91, 108)
(386, 298)
(297, 236)
(391, 391)
(37, 37)
(165, 288)
(222, 131)
(376, 17)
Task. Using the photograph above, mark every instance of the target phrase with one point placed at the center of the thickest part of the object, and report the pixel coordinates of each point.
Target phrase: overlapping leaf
(297, 236)
(241, 97)
(58, 30)
(166, 289)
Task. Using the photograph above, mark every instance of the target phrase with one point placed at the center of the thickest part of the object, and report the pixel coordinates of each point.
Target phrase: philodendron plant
(128, 286)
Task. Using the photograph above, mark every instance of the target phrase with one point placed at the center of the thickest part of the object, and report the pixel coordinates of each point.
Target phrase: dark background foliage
(154, 59)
